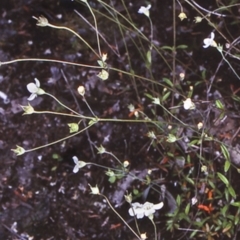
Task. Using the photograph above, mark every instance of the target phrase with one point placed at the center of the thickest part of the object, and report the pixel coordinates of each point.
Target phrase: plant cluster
(181, 124)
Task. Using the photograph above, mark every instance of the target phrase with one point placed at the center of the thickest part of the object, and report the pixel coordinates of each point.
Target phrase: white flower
(143, 236)
(156, 101)
(95, 190)
(78, 164)
(19, 150)
(34, 89)
(81, 90)
(210, 41)
(147, 209)
(27, 109)
(41, 21)
(182, 16)
(194, 200)
(188, 104)
(171, 138)
(151, 135)
(144, 10)
(200, 125)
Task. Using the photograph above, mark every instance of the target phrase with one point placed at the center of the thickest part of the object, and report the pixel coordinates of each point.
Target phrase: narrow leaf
(223, 178)
(232, 192)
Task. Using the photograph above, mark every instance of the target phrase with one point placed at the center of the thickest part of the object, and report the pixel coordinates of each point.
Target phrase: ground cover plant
(132, 132)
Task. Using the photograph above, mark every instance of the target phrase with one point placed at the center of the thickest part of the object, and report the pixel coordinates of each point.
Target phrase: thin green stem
(120, 216)
(135, 220)
(50, 95)
(114, 157)
(134, 27)
(155, 228)
(96, 27)
(229, 65)
(76, 34)
(63, 114)
(47, 60)
(59, 140)
(90, 109)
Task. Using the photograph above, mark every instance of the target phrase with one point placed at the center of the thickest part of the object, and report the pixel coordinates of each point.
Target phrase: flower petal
(212, 35)
(149, 212)
(158, 206)
(76, 169)
(75, 159)
(32, 96)
(140, 214)
(32, 88)
(37, 82)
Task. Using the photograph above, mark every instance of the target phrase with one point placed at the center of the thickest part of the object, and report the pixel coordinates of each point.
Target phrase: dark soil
(39, 190)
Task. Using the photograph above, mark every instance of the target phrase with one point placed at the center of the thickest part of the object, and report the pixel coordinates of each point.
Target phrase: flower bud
(182, 16)
(81, 90)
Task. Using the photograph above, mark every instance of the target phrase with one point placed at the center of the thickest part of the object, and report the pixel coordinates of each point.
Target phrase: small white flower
(95, 190)
(143, 236)
(171, 138)
(78, 164)
(41, 21)
(126, 163)
(188, 104)
(81, 90)
(156, 101)
(182, 16)
(200, 125)
(128, 198)
(210, 41)
(151, 135)
(27, 109)
(204, 168)
(147, 209)
(144, 10)
(34, 89)
(19, 150)
(101, 150)
(194, 200)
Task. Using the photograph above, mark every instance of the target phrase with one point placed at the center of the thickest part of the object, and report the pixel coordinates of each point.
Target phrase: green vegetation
(178, 107)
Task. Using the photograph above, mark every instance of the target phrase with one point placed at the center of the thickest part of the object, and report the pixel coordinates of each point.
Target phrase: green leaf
(101, 63)
(93, 121)
(236, 220)
(232, 192)
(227, 165)
(165, 96)
(235, 204)
(73, 127)
(54, 168)
(193, 142)
(189, 180)
(167, 48)
(57, 157)
(212, 185)
(103, 75)
(224, 210)
(112, 179)
(168, 82)
(182, 46)
(149, 57)
(219, 104)
(149, 96)
(187, 209)
(225, 152)
(223, 178)
(178, 200)
(193, 234)
(226, 192)
(135, 191)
